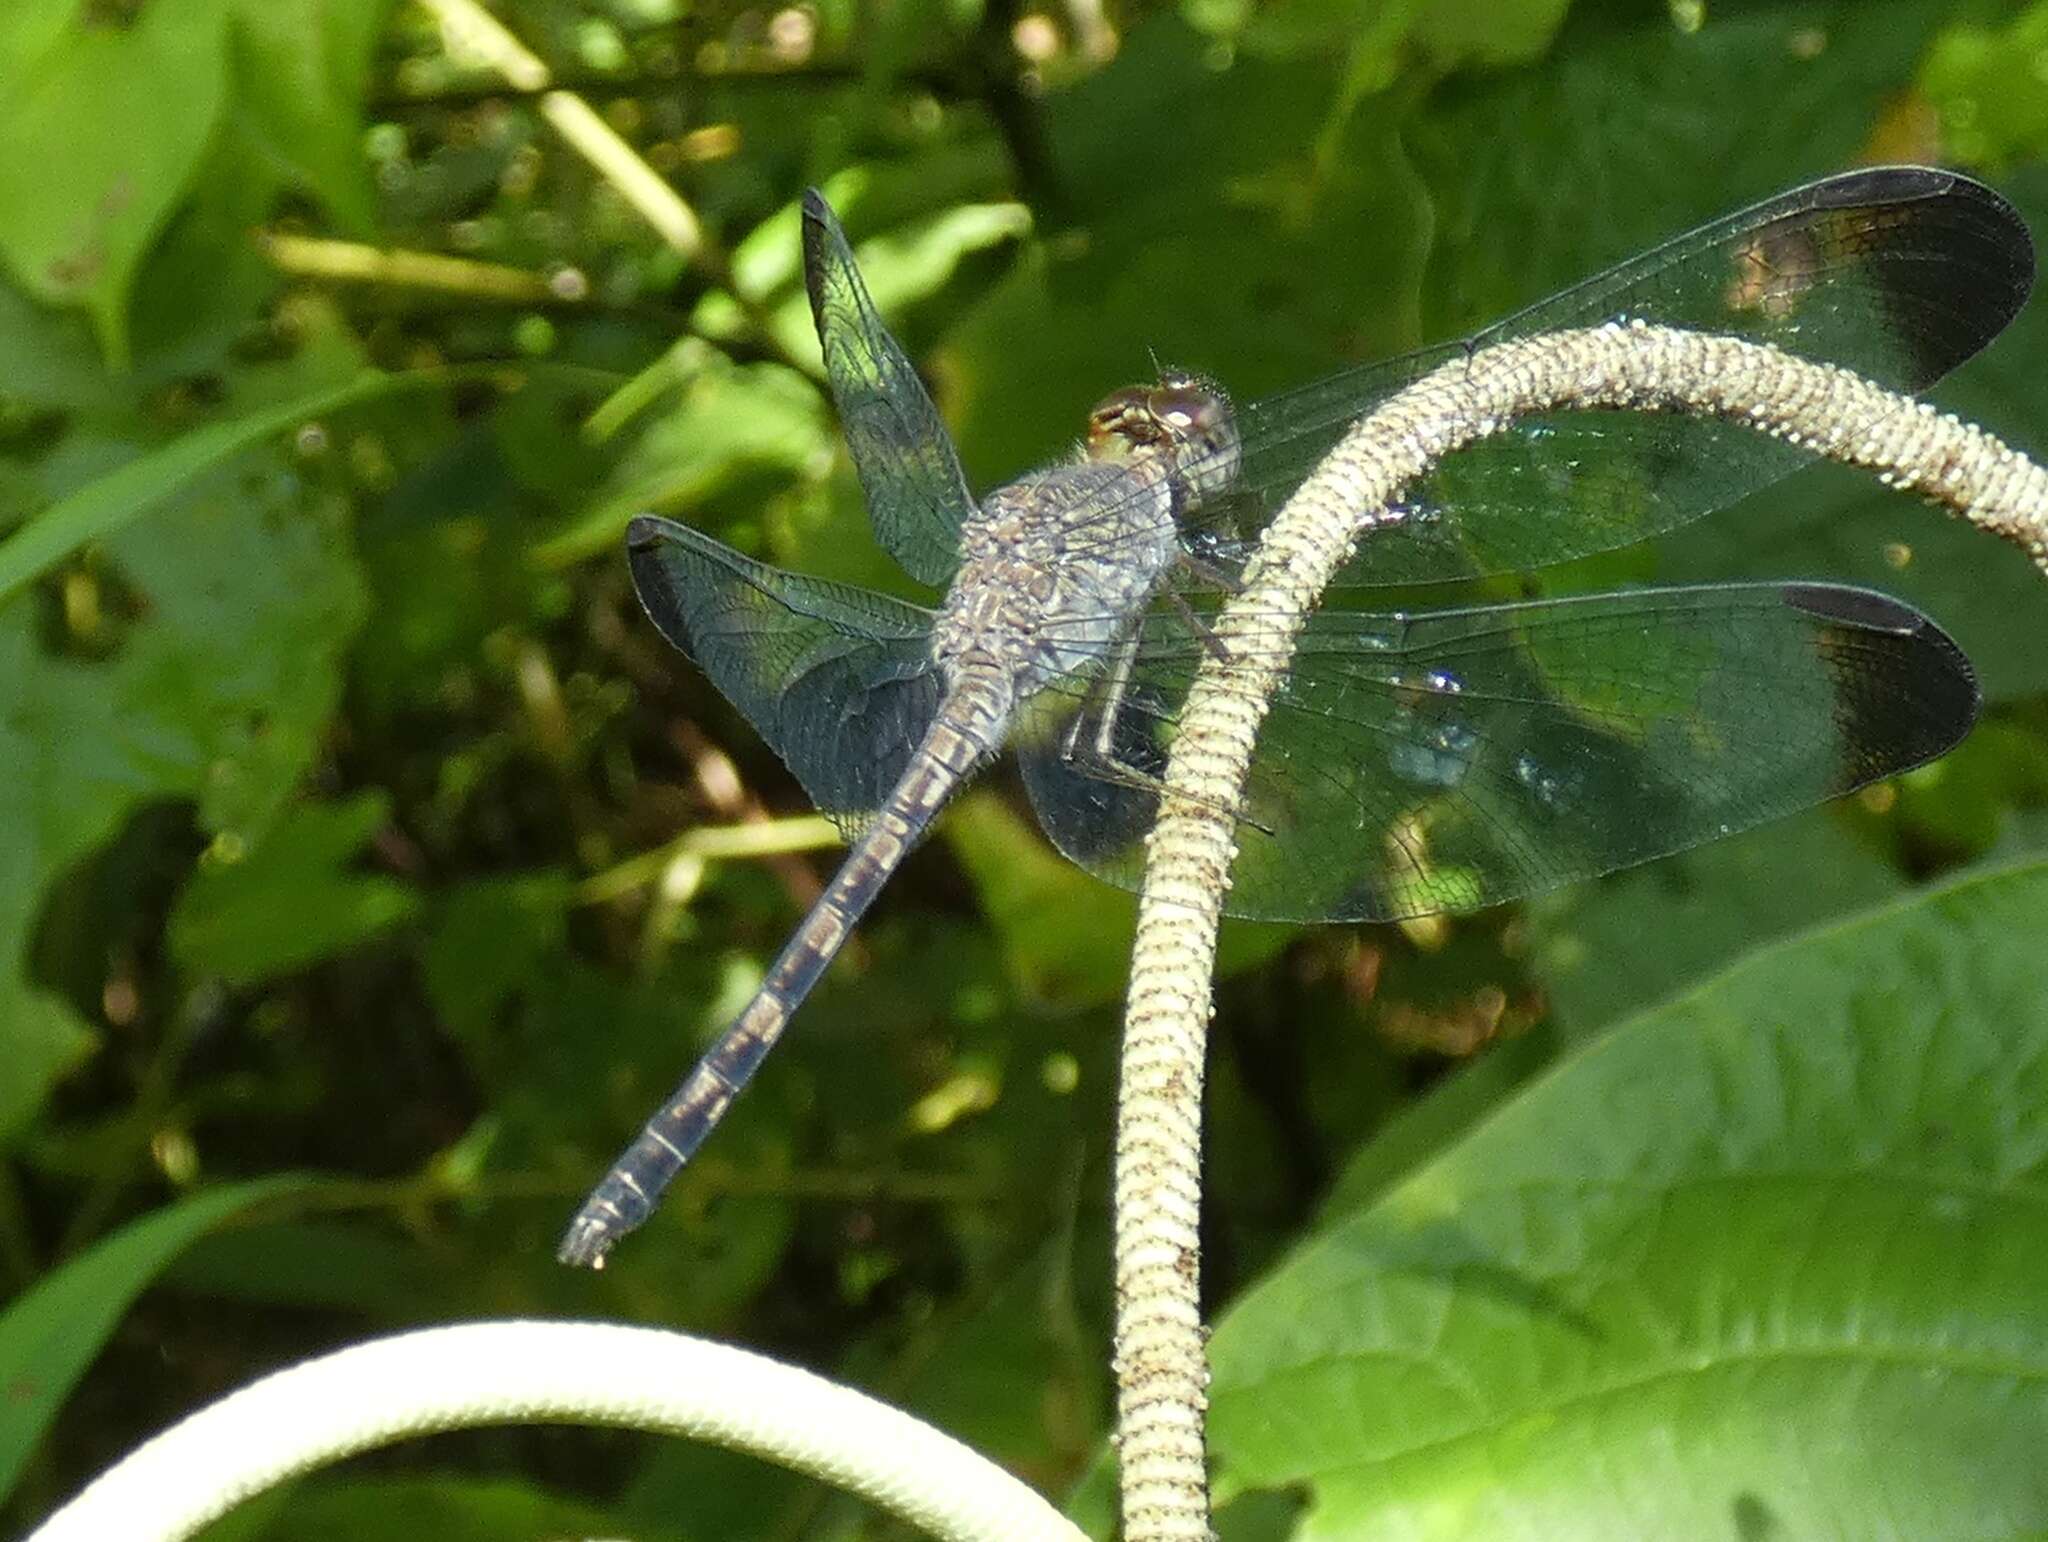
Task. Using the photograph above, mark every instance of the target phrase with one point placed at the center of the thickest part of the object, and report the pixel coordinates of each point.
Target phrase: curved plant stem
(1161, 1370)
(550, 1372)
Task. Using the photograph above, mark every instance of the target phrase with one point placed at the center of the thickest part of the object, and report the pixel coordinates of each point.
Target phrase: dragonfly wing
(1461, 758)
(917, 497)
(840, 681)
(1899, 273)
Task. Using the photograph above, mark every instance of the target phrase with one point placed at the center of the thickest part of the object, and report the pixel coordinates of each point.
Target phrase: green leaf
(104, 506)
(910, 263)
(725, 422)
(290, 902)
(1468, 33)
(31, 27)
(361, 1266)
(1526, 200)
(1438, 1119)
(1066, 937)
(1985, 82)
(302, 71)
(42, 1038)
(1378, 40)
(51, 1332)
(1276, 264)
(1610, 948)
(218, 693)
(1497, 154)
(126, 109)
(487, 940)
(1766, 1257)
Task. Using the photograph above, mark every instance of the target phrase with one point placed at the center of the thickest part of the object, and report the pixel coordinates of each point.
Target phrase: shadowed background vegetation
(368, 866)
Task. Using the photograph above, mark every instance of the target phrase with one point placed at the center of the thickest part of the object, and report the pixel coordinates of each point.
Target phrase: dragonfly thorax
(1182, 418)
(1053, 568)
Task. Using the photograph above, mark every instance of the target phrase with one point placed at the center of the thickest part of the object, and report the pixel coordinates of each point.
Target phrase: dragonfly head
(1184, 416)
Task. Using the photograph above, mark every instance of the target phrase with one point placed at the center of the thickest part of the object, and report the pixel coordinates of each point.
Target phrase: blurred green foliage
(346, 802)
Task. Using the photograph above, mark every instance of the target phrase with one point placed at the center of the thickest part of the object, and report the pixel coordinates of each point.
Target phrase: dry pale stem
(1161, 1370)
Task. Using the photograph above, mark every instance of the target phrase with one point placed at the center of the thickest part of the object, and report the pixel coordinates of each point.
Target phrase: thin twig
(353, 262)
(777, 837)
(1161, 1370)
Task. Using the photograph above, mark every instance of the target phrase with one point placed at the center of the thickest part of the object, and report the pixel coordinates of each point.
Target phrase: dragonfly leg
(1204, 633)
(1099, 758)
(1108, 702)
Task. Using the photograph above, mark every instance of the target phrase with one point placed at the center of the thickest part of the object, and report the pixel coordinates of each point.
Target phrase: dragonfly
(1414, 760)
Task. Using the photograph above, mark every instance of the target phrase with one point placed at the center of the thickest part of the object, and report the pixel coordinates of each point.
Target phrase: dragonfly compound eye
(1197, 421)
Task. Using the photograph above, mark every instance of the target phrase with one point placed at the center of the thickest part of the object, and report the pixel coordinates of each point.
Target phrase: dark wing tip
(2008, 241)
(643, 530)
(1865, 608)
(1951, 260)
(1882, 184)
(1907, 691)
(1986, 270)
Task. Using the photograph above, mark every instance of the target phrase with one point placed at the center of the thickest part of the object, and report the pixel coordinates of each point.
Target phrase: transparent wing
(838, 680)
(1460, 758)
(916, 494)
(1899, 273)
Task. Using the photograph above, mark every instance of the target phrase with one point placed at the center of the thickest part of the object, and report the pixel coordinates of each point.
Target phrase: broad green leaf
(30, 27)
(64, 783)
(1438, 1119)
(103, 506)
(302, 70)
(1381, 39)
(292, 900)
(1021, 1375)
(1766, 1258)
(362, 1266)
(1484, 34)
(908, 264)
(206, 284)
(125, 104)
(1526, 201)
(51, 1332)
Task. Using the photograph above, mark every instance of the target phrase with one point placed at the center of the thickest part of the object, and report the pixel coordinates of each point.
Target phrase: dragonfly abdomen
(969, 726)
